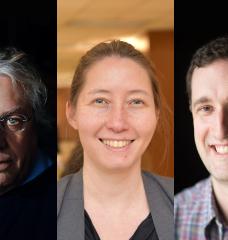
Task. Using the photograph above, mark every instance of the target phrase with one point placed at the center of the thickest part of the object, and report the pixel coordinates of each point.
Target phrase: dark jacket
(28, 212)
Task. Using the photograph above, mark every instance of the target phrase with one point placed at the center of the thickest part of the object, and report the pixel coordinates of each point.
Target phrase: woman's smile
(116, 145)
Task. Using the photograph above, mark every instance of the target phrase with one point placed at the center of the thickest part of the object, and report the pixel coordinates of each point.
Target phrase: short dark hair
(212, 51)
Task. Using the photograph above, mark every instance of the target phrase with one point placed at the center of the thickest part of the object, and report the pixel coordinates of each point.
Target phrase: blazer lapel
(71, 218)
(160, 207)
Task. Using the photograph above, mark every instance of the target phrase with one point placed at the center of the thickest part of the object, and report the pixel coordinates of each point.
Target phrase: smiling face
(16, 148)
(210, 116)
(115, 114)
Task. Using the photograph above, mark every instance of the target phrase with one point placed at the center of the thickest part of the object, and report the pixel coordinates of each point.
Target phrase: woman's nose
(117, 119)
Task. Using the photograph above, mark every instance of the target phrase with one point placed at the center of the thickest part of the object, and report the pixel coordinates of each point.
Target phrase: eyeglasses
(14, 122)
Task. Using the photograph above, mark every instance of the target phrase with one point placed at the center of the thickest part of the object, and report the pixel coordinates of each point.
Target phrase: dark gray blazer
(70, 207)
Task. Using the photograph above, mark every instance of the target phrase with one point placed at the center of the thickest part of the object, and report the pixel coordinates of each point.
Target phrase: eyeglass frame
(4, 118)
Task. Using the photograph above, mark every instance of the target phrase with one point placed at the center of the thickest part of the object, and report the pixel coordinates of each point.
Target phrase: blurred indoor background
(146, 24)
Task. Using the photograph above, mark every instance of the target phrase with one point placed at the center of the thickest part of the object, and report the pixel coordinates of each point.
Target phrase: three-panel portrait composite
(113, 120)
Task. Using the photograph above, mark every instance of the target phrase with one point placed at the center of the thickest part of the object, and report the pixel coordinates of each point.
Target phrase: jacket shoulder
(160, 196)
(62, 186)
(165, 184)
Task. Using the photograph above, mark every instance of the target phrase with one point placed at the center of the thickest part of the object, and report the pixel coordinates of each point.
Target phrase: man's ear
(71, 115)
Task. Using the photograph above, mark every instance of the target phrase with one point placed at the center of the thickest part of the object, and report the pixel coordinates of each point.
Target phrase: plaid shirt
(196, 214)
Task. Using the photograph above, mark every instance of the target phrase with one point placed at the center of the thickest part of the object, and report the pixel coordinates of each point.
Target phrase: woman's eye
(100, 101)
(137, 102)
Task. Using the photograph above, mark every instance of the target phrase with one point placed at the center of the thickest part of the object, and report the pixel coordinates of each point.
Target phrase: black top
(28, 212)
(145, 231)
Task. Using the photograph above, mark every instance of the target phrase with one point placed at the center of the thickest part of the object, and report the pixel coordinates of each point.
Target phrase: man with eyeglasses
(27, 175)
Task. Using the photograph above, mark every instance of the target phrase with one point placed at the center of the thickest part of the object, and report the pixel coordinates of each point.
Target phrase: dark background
(195, 25)
(31, 26)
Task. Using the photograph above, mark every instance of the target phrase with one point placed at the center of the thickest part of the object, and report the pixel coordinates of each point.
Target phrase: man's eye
(12, 121)
(206, 109)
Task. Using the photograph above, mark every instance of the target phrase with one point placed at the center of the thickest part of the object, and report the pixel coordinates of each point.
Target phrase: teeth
(116, 144)
(221, 149)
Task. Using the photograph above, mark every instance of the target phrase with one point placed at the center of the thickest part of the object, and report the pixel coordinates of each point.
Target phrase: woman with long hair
(115, 106)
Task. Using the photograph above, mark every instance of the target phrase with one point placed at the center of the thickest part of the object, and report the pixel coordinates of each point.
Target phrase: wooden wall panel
(162, 54)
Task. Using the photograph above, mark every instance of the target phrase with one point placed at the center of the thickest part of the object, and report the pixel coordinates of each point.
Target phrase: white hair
(15, 65)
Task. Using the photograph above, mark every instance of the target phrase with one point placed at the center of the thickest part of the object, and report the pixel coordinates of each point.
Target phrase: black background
(195, 25)
(31, 26)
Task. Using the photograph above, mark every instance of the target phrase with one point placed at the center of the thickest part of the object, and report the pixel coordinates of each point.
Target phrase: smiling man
(27, 177)
(201, 212)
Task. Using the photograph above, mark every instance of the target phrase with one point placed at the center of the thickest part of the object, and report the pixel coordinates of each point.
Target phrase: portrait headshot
(115, 121)
(27, 122)
(90, 95)
(201, 210)
(115, 106)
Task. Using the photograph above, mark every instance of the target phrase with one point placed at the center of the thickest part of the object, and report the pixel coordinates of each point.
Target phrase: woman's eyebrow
(95, 91)
(139, 91)
(134, 91)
